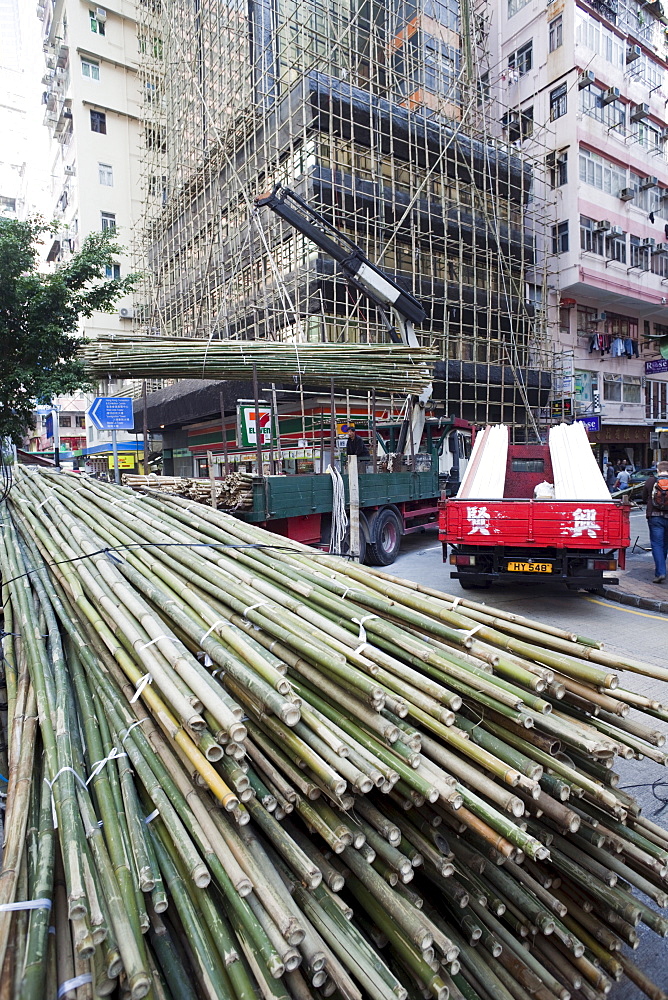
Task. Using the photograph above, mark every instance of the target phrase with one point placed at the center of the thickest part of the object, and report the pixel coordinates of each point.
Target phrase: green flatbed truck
(392, 504)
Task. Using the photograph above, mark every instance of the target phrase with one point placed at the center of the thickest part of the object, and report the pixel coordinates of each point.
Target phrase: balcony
(606, 8)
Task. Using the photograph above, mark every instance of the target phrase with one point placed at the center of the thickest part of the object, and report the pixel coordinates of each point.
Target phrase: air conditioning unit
(648, 182)
(603, 226)
(600, 317)
(126, 312)
(510, 118)
(70, 169)
(586, 79)
(659, 248)
(648, 241)
(627, 194)
(101, 15)
(610, 95)
(639, 112)
(616, 231)
(633, 52)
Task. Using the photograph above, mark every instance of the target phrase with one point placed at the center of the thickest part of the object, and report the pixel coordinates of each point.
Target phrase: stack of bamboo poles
(233, 492)
(390, 367)
(240, 767)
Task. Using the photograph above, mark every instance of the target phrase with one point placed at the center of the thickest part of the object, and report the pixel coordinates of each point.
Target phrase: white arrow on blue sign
(112, 413)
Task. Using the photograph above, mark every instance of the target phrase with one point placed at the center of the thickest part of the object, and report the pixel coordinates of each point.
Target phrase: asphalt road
(625, 630)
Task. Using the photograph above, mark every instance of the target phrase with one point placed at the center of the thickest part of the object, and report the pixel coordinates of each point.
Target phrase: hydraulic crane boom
(368, 279)
(358, 269)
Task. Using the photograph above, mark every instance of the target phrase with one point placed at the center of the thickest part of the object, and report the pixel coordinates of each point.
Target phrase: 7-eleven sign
(246, 430)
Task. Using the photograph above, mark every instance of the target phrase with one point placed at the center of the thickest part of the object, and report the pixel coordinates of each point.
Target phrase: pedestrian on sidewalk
(623, 478)
(655, 496)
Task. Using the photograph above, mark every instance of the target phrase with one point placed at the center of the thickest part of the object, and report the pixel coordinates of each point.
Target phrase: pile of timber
(233, 492)
(243, 770)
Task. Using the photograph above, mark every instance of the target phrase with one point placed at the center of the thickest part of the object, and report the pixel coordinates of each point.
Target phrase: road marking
(629, 611)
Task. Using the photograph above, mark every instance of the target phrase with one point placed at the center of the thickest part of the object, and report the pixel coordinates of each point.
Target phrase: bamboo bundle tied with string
(233, 492)
(239, 767)
(390, 367)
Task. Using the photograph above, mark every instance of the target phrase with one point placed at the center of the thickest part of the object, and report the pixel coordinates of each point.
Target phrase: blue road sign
(112, 413)
(49, 426)
(592, 424)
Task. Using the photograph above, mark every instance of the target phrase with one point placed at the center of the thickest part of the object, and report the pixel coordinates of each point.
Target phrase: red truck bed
(598, 524)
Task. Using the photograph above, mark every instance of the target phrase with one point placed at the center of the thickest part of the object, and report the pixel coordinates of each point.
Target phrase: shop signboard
(592, 424)
(246, 433)
(656, 367)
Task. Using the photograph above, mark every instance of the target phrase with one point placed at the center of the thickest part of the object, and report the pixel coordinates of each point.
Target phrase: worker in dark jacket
(356, 445)
(655, 496)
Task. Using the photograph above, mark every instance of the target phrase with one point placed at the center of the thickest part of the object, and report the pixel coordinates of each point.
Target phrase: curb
(646, 603)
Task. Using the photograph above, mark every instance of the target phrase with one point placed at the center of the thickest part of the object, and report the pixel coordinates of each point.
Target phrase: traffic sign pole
(114, 448)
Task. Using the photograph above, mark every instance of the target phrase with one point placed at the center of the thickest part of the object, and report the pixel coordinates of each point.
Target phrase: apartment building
(92, 100)
(588, 82)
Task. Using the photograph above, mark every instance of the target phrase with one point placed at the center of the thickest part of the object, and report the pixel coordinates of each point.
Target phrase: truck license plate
(529, 567)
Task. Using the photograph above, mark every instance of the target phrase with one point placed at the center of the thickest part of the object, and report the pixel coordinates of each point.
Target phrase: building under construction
(377, 115)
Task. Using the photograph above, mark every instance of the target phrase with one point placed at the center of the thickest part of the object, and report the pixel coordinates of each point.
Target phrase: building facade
(587, 82)
(92, 104)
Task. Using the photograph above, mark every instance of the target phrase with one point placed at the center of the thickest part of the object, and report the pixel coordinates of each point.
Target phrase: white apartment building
(92, 109)
(583, 86)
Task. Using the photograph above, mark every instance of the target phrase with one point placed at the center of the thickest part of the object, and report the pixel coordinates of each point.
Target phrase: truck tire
(385, 542)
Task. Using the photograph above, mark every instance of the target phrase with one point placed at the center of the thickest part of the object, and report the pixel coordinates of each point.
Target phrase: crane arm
(365, 276)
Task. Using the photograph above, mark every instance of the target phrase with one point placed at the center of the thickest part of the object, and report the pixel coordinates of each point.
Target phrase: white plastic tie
(346, 591)
(74, 984)
(455, 602)
(143, 681)
(252, 607)
(97, 767)
(130, 728)
(45, 501)
(27, 904)
(223, 621)
(152, 642)
(360, 622)
(361, 647)
(152, 816)
(54, 814)
(471, 632)
(208, 661)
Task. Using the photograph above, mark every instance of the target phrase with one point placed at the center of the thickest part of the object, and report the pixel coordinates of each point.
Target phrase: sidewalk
(635, 582)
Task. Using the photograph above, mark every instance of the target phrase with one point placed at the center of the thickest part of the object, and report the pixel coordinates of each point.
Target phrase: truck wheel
(386, 531)
(474, 583)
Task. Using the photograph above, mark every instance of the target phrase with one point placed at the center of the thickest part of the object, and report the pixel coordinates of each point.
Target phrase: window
(558, 169)
(638, 254)
(560, 238)
(515, 5)
(622, 388)
(555, 33)
(521, 60)
(659, 266)
(587, 317)
(157, 187)
(106, 174)
(615, 247)
(80, 420)
(591, 240)
(599, 39)
(613, 115)
(98, 122)
(112, 271)
(64, 421)
(155, 139)
(483, 88)
(90, 69)
(108, 221)
(97, 27)
(656, 400)
(601, 173)
(526, 122)
(558, 102)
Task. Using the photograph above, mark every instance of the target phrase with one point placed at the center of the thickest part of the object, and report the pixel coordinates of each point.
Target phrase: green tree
(40, 316)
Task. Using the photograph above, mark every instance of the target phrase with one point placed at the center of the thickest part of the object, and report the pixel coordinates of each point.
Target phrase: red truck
(574, 541)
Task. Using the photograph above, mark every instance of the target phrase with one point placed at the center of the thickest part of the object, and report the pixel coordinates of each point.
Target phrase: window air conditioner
(627, 194)
(659, 248)
(648, 182)
(586, 79)
(610, 95)
(126, 312)
(603, 226)
(510, 118)
(648, 242)
(101, 15)
(633, 52)
(70, 169)
(664, 134)
(616, 231)
(600, 317)
(639, 112)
